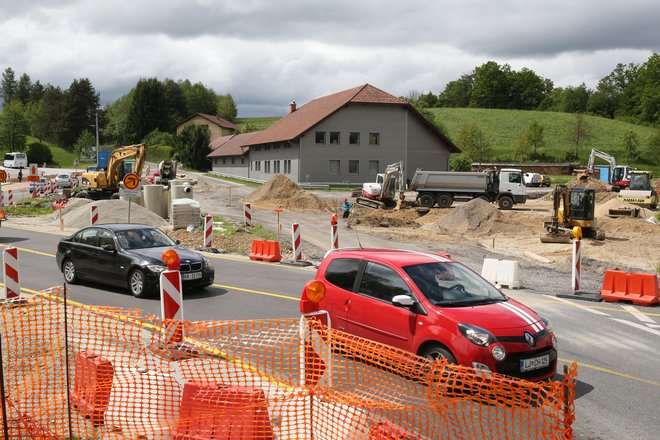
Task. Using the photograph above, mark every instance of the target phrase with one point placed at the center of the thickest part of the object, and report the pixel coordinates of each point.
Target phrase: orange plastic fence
(639, 288)
(105, 373)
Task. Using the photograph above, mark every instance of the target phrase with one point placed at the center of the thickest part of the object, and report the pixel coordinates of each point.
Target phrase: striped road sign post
(171, 305)
(334, 237)
(247, 214)
(577, 263)
(208, 231)
(93, 214)
(12, 282)
(297, 243)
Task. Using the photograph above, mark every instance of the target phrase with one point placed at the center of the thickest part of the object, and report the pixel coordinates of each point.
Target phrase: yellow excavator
(100, 185)
(571, 207)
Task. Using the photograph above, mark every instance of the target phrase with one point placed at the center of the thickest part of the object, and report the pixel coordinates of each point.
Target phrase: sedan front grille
(191, 267)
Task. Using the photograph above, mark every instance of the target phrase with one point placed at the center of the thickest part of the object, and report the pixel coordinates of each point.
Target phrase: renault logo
(530, 339)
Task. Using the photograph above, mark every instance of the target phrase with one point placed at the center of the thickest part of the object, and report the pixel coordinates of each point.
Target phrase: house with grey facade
(346, 137)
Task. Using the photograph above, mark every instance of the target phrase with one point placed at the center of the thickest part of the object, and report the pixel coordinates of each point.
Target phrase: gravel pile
(282, 192)
(110, 211)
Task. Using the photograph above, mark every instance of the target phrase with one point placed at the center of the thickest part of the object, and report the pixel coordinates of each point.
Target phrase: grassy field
(260, 123)
(503, 128)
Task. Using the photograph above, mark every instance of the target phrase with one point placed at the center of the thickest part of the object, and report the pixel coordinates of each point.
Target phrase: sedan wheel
(69, 270)
(137, 284)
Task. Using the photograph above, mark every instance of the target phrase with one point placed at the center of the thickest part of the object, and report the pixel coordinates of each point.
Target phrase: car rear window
(342, 272)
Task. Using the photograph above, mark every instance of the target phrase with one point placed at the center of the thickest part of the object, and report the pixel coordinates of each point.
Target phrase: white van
(15, 160)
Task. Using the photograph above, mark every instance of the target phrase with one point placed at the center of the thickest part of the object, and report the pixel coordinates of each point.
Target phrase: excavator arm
(122, 154)
(606, 157)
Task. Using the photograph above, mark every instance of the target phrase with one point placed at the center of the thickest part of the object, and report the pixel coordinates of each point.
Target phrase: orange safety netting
(107, 373)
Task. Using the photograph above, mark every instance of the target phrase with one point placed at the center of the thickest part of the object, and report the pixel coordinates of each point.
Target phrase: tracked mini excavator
(571, 207)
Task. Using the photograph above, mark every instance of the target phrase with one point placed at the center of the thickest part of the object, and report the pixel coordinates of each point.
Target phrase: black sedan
(128, 255)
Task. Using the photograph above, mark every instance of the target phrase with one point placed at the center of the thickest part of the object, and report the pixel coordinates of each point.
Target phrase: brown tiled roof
(211, 118)
(295, 124)
(232, 145)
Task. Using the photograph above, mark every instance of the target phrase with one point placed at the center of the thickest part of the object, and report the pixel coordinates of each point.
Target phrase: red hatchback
(433, 306)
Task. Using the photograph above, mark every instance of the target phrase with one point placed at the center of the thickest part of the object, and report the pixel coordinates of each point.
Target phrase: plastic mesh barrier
(104, 373)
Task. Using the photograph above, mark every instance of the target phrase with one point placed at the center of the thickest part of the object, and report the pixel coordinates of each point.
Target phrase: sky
(267, 53)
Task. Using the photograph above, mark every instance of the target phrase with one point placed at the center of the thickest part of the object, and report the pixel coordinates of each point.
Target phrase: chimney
(292, 106)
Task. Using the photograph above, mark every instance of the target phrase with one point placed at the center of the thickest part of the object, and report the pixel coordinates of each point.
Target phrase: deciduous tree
(192, 147)
(472, 141)
(630, 144)
(227, 108)
(580, 133)
(13, 126)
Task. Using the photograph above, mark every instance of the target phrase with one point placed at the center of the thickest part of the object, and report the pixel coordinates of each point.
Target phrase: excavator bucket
(559, 237)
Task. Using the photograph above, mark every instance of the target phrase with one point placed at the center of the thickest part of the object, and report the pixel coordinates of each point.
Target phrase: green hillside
(503, 128)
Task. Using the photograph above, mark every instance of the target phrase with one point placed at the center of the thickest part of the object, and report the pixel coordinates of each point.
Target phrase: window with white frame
(287, 166)
(267, 166)
(353, 167)
(257, 165)
(334, 168)
(276, 166)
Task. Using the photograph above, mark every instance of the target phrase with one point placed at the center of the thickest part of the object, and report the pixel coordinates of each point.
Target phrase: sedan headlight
(476, 335)
(156, 268)
(207, 262)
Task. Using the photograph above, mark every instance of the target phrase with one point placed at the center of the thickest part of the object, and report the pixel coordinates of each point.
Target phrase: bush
(460, 163)
(39, 153)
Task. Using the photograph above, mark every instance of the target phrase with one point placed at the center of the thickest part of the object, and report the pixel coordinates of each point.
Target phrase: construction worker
(347, 211)
(20, 175)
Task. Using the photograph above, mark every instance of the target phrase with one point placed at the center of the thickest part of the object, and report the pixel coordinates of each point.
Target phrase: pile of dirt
(110, 211)
(474, 215)
(589, 182)
(282, 192)
(387, 218)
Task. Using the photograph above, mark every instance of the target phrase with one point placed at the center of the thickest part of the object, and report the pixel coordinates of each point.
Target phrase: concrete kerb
(584, 296)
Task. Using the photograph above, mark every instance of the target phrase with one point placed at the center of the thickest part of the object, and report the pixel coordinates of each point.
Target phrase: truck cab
(511, 184)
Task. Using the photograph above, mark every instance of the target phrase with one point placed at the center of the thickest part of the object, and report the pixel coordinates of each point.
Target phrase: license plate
(191, 275)
(534, 363)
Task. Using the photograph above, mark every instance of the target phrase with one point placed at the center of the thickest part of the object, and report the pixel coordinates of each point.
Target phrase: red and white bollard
(2, 198)
(297, 243)
(12, 281)
(171, 298)
(247, 214)
(93, 214)
(334, 237)
(577, 263)
(10, 201)
(36, 193)
(208, 231)
(53, 187)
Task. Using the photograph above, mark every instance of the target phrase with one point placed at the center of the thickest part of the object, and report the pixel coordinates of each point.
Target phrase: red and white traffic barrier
(2, 198)
(577, 265)
(10, 197)
(36, 193)
(247, 214)
(208, 231)
(53, 187)
(334, 236)
(297, 243)
(93, 214)
(171, 298)
(12, 281)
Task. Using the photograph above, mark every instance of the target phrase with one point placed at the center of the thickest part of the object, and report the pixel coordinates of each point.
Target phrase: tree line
(69, 118)
(631, 92)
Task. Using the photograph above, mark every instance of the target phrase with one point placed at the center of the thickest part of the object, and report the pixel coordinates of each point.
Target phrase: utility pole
(97, 138)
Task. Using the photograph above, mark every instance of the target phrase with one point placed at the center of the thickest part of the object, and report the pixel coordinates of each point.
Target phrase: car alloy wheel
(437, 352)
(69, 270)
(137, 283)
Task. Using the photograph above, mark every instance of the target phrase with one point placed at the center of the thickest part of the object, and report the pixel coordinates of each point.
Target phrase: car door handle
(347, 305)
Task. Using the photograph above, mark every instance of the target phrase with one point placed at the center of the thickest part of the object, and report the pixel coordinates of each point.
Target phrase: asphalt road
(615, 345)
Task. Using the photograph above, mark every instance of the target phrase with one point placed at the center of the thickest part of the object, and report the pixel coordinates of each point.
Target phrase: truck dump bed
(449, 181)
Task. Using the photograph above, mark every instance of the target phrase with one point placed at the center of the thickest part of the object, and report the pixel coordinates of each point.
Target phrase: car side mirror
(404, 301)
(177, 242)
(108, 247)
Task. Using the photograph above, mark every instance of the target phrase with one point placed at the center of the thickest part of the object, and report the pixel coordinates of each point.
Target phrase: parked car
(532, 179)
(66, 180)
(128, 255)
(433, 306)
(545, 180)
(43, 183)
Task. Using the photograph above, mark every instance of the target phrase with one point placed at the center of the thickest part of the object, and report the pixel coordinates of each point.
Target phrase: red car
(434, 306)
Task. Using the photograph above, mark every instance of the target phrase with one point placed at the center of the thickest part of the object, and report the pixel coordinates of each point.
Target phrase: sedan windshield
(452, 285)
(143, 238)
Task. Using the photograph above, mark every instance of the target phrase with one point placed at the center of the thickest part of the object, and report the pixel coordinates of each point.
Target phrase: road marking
(654, 325)
(637, 314)
(639, 326)
(258, 292)
(580, 306)
(30, 251)
(612, 372)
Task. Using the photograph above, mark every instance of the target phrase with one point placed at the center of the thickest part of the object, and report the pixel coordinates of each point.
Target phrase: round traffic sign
(3, 175)
(131, 181)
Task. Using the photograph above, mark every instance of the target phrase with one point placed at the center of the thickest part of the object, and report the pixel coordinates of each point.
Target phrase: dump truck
(640, 191)
(505, 187)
